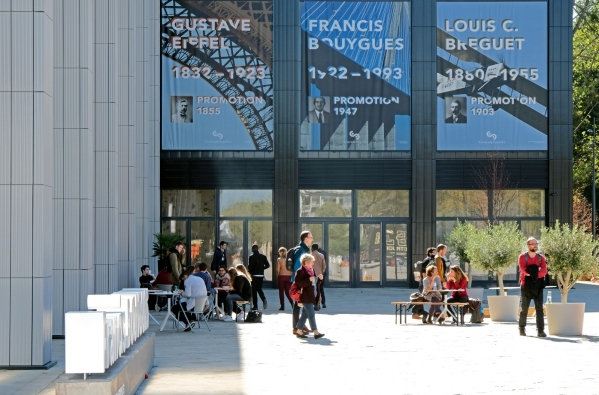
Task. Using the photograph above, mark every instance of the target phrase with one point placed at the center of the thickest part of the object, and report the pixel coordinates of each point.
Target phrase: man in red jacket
(533, 268)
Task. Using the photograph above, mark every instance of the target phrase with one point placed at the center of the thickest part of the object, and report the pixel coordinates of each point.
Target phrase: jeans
(295, 314)
(284, 286)
(229, 302)
(434, 308)
(457, 299)
(257, 289)
(307, 314)
(538, 308)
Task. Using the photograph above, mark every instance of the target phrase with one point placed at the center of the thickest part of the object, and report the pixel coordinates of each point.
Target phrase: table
(445, 306)
(217, 309)
(169, 296)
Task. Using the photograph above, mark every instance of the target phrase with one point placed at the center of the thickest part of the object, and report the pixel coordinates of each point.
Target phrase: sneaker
(541, 334)
(240, 316)
(222, 317)
(157, 308)
(227, 318)
(264, 304)
(188, 327)
(522, 331)
(282, 308)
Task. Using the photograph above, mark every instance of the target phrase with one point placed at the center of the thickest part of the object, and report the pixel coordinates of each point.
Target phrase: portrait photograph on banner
(216, 77)
(492, 76)
(355, 76)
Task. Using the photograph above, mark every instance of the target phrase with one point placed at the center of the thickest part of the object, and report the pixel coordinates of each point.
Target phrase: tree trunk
(469, 274)
(500, 274)
(564, 293)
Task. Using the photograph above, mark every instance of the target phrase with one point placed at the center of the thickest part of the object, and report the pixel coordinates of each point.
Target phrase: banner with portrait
(492, 76)
(355, 75)
(216, 75)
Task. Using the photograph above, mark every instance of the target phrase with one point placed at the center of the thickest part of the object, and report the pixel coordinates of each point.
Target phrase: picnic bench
(402, 308)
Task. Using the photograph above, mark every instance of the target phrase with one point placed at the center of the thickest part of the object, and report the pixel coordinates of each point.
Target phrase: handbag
(253, 316)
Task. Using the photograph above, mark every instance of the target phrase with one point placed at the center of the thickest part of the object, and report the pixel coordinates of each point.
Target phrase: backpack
(416, 308)
(253, 316)
(295, 292)
(290, 262)
(476, 307)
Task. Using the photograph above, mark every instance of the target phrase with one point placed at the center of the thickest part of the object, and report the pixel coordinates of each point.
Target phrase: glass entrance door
(383, 254)
(334, 239)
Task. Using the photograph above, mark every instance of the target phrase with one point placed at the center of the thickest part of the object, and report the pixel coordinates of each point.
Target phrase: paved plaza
(363, 352)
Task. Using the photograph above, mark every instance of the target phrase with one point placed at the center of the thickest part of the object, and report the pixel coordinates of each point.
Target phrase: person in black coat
(257, 264)
(220, 257)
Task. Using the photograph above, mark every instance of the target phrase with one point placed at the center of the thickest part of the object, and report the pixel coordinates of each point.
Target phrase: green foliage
(570, 253)
(164, 242)
(495, 248)
(458, 240)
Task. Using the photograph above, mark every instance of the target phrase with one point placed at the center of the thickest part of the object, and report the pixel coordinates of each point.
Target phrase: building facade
(354, 140)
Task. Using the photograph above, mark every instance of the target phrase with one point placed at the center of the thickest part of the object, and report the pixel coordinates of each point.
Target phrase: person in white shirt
(194, 288)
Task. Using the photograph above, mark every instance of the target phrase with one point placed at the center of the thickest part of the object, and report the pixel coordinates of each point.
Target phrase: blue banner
(492, 76)
(355, 76)
(217, 89)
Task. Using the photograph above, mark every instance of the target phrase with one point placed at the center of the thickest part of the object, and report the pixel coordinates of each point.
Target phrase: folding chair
(198, 311)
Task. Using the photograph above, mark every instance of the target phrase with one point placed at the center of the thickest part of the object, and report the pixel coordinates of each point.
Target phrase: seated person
(163, 277)
(146, 280)
(221, 280)
(431, 286)
(201, 270)
(242, 291)
(194, 288)
(457, 279)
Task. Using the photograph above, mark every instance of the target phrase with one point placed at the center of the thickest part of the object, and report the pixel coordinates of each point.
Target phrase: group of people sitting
(433, 276)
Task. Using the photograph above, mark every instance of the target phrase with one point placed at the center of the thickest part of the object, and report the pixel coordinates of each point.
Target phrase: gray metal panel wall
(26, 182)
(461, 173)
(216, 174)
(354, 174)
(560, 111)
(424, 131)
(73, 149)
(287, 66)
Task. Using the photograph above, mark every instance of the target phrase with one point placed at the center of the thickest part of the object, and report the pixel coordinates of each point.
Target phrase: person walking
(324, 273)
(284, 278)
(256, 266)
(305, 241)
(319, 269)
(533, 268)
(306, 280)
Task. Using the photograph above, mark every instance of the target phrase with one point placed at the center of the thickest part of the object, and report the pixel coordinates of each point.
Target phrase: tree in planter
(495, 248)
(458, 241)
(570, 253)
(164, 242)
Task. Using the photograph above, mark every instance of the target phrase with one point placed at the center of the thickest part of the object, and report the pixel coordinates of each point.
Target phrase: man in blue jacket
(305, 243)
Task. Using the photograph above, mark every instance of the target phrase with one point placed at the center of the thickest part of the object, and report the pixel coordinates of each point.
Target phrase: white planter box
(565, 319)
(504, 308)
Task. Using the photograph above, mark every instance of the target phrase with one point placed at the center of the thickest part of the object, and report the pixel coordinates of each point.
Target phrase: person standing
(441, 261)
(319, 268)
(533, 268)
(256, 266)
(174, 261)
(305, 241)
(284, 278)
(220, 257)
(324, 273)
(306, 280)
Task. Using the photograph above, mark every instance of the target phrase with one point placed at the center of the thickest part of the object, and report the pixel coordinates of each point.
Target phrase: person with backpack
(256, 266)
(294, 256)
(305, 280)
(284, 278)
(533, 268)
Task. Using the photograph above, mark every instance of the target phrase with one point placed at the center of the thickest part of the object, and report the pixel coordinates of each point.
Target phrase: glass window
(246, 203)
(462, 203)
(526, 203)
(325, 203)
(383, 203)
(232, 233)
(187, 203)
(202, 242)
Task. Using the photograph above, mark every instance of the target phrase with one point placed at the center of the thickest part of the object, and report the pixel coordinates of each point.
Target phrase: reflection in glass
(339, 265)
(462, 203)
(383, 203)
(246, 203)
(260, 233)
(396, 252)
(527, 203)
(202, 242)
(325, 203)
(370, 252)
(532, 228)
(187, 203)
(232, 233)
